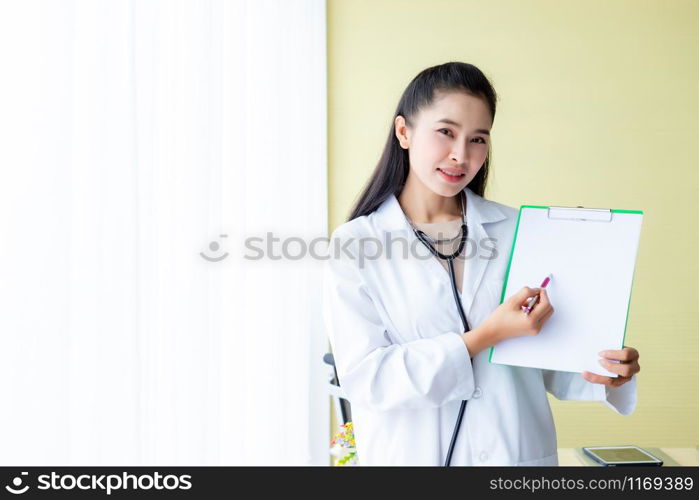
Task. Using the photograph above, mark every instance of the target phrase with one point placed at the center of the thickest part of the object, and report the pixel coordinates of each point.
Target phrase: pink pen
(531, 301)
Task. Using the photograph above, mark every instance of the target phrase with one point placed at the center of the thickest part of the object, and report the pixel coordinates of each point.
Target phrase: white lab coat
(396, 337)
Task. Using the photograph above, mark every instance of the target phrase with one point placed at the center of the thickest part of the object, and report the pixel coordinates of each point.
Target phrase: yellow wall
(599, 106)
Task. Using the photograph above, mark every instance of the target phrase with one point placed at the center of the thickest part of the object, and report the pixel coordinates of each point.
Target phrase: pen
(531, 301)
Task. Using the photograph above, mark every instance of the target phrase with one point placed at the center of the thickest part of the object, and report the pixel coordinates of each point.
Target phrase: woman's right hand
(509, 321)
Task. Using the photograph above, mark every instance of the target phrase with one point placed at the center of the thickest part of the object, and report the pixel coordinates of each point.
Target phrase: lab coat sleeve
(379, 374)
(572, 386)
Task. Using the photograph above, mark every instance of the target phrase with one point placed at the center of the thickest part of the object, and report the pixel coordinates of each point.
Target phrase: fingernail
(601, 362)
(602, 353)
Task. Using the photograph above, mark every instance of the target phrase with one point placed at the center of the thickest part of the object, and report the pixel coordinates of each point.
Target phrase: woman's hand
(627, 367)
(508, 320)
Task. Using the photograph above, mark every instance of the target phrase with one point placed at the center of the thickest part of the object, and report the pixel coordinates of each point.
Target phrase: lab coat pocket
(486, 301)
(494, 287)
(425, 311)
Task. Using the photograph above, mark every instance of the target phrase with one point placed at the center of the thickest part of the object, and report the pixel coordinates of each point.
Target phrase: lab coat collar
(478, 211)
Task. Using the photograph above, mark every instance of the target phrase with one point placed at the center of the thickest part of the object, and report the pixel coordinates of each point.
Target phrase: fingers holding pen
(544, 301)
(542, 306)
(541, 312)
(510, 319)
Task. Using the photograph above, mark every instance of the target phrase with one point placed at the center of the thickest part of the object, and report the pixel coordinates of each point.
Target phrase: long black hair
(391, 172)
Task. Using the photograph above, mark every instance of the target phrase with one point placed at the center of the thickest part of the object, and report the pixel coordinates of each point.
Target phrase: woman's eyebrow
(452, 122)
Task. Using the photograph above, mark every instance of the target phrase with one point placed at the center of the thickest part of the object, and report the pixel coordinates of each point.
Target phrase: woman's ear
(402, 132)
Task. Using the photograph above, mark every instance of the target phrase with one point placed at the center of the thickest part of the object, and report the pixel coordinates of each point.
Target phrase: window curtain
(144, 144)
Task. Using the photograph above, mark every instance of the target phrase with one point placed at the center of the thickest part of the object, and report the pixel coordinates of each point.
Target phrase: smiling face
(450, 136)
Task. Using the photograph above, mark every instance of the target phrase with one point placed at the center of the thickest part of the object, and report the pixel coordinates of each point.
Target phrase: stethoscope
(452, 275)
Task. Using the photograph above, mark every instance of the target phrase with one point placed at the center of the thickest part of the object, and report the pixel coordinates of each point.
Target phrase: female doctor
(414, 364)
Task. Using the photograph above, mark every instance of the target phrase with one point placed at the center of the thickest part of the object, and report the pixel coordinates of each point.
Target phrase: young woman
(412, 362)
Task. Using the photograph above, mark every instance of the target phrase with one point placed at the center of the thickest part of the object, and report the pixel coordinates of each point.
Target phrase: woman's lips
(451, 178)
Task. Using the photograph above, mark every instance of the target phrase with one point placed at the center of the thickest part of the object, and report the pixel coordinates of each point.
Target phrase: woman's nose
(458, 154)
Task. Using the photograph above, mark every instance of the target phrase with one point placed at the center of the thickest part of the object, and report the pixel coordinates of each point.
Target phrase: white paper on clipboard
(591, 254)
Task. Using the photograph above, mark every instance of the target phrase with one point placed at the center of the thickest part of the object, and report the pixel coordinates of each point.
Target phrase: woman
(410, 363)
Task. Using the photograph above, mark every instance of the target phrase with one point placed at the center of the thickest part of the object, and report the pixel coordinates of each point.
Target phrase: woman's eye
(446, 131)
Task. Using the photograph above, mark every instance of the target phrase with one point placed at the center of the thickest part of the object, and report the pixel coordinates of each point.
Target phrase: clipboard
(591, 255)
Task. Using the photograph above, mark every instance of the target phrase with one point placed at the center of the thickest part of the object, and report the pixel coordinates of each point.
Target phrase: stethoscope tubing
(452, 275)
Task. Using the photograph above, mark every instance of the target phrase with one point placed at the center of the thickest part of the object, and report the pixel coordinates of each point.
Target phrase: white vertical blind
(134, 135)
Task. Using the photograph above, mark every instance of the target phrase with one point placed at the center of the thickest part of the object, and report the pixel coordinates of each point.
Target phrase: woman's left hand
(626, 368)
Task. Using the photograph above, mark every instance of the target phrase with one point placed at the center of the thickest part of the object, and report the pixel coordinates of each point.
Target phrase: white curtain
(137, 136)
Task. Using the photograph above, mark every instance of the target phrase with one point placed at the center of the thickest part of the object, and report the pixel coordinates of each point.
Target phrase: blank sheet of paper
(591, 255)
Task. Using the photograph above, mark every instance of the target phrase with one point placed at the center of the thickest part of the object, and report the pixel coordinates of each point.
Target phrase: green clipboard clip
(581, 214)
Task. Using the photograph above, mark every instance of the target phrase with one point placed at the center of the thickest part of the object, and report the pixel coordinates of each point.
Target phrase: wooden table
(670, 456)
